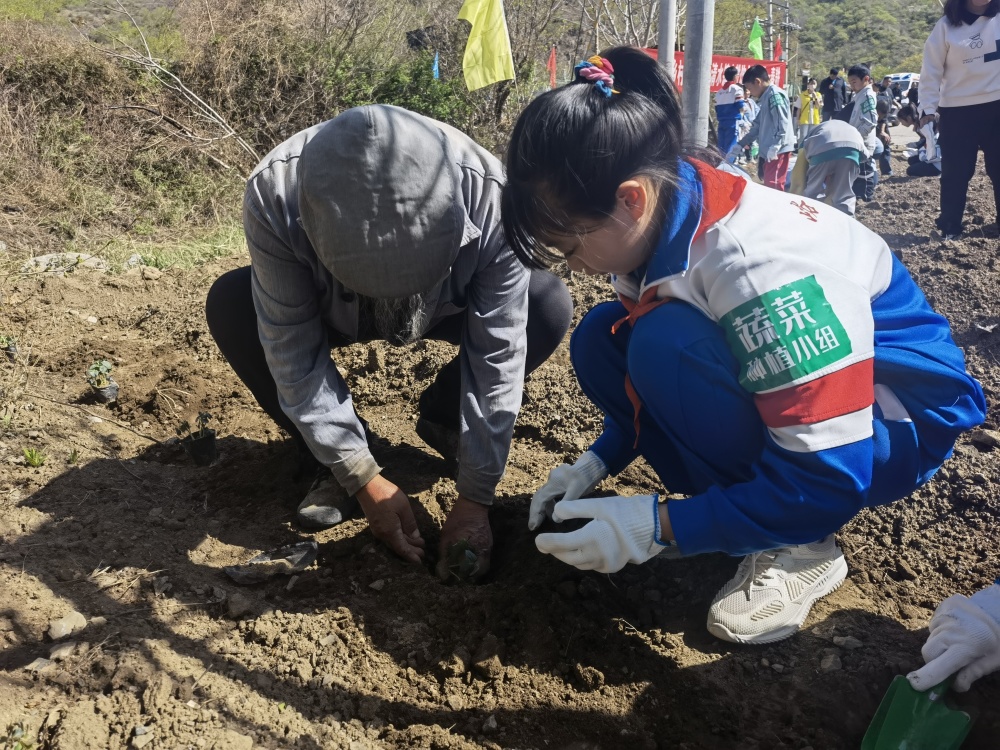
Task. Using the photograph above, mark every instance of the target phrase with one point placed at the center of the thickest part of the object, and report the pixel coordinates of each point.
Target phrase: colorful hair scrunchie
(599, 72)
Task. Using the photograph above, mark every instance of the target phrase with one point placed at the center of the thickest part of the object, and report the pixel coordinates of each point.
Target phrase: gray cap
(381, 202)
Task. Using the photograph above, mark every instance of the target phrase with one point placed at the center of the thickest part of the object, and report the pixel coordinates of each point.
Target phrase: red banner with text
(775, 69)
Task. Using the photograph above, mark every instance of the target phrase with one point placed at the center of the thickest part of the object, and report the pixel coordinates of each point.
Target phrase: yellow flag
(487, 53)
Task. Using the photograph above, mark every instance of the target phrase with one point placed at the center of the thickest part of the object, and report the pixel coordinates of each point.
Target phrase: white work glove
(734, 153)
(772, 153)
(964, 639)
(566, 482)
(624, 530)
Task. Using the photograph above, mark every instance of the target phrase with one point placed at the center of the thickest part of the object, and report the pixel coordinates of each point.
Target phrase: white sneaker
(773, 591)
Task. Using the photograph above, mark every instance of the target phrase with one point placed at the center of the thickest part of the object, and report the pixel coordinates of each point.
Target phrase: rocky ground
(362, 651)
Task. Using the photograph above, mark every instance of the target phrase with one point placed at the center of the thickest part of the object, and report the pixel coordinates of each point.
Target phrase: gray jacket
(297, 300)
(773, 124)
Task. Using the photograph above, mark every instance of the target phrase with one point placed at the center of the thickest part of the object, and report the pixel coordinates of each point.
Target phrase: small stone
(141, 740)
(377, 585)
(38, 665)
(765, 663)
(238, 605)
(327, 680)
(149, 273)
(830, 663)
(848, 641)
(98, 622)
(456, 702)
(490, 725)
(62, 650)
(327, 640)
(779, 668)
(34, 434)
(985, 438)
(67, 625)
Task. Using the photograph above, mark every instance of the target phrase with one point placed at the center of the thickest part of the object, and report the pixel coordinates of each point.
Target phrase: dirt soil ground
(363, 651)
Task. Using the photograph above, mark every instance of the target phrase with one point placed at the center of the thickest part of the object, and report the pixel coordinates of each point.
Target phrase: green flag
(755, 45)
(487, 56)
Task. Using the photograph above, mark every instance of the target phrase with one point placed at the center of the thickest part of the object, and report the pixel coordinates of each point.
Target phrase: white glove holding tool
(566, 482)
(623, 530)
(772, 153)
(964, 641)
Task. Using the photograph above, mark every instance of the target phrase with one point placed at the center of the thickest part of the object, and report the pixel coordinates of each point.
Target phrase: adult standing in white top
(960, 86)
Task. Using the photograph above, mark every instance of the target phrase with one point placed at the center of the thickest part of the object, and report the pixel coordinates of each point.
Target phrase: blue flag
(436, 69)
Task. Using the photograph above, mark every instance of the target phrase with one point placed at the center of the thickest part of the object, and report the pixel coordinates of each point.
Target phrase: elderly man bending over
(383, 224)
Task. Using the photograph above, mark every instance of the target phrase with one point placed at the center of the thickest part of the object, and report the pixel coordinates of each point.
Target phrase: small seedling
(463, 562)
(17, 738)
(7, 341)
(99, 374)
(201, 427)
(34, 457)
(7, 418)
(74, 457)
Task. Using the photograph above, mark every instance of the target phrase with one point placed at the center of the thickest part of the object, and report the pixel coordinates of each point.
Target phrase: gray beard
(398, 321)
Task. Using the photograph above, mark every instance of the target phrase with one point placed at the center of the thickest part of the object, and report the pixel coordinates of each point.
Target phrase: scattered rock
(490, 725)
(38, 665)
(848, 641)
(779, 668)
(67, 625)
(238, 605)
(455, 701)
(983, 438)
(829, 663)
(62, 651)
(377, 585)
(141, 740)
(58, 263)
(149, 273)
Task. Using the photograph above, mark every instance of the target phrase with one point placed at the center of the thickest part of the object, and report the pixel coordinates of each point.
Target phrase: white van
(905, 81)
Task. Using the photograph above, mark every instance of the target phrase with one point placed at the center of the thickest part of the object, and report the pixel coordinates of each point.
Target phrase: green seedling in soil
(74, 457)
(99, 374)
(7, 418)
(34, 457)
(16, 739)
(463, 562)
(6, 341)
(201, 426)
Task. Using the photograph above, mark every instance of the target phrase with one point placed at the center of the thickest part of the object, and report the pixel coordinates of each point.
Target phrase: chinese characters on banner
(776, 70)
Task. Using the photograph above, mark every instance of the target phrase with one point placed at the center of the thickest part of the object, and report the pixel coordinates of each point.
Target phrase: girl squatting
(767, 355)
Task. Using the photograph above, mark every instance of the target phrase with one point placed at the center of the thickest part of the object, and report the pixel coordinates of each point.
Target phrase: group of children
(827, 154)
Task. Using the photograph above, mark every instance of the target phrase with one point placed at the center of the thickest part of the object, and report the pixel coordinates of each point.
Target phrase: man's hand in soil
(468, 524)
(390, 517)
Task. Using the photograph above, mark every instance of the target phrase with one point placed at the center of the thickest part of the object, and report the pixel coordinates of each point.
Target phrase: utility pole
(668, 35)
(695, 96)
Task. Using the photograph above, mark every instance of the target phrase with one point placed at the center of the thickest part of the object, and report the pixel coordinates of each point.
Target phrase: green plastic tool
(908, 719)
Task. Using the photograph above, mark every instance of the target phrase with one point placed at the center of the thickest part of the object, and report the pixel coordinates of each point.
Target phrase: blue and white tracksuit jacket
(729, 106)
(797, 375)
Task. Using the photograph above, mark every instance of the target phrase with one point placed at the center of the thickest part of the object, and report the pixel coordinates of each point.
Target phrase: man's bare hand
(466, 542)
(390, 517)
